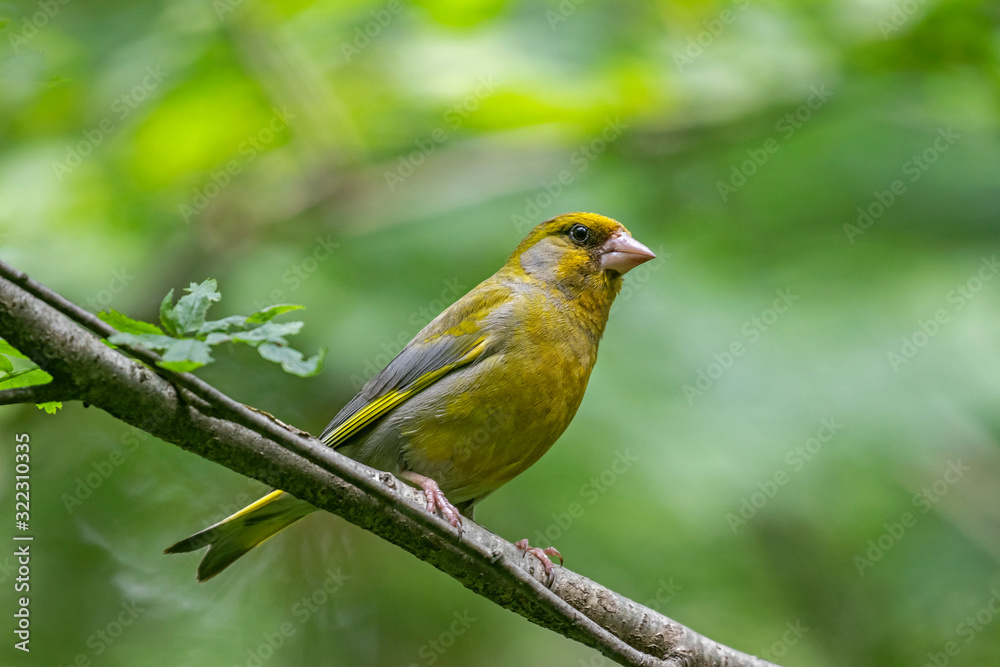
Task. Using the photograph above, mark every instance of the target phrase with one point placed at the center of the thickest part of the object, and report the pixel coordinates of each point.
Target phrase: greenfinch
(480, 393)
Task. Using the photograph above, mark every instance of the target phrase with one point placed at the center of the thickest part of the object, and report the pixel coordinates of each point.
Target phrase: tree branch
(186, 411)
(39, 393)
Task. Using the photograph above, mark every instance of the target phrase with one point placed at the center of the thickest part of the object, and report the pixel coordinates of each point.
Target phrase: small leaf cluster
(184, 338)
(25, 375)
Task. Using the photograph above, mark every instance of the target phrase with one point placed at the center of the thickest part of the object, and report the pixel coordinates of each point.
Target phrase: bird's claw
(437, 502)
(552, 551)
(543, 555)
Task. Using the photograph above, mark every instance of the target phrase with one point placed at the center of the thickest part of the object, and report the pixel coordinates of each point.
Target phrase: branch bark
(38, 393)
(65, 340)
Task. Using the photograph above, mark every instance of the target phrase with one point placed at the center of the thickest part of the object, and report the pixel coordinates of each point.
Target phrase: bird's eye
(579, 233)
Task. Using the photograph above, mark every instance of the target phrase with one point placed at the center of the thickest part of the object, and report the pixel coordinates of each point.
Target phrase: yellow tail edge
(237, 534)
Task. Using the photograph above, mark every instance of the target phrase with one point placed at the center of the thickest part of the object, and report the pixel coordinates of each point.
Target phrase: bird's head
(579, 253)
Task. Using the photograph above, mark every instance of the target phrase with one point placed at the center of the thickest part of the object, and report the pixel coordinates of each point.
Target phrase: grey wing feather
(430, 350)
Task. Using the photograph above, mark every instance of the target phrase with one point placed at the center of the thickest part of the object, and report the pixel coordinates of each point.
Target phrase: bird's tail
(234, 536)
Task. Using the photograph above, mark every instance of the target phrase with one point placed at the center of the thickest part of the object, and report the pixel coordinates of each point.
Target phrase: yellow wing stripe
(266, 500)
(384, 404)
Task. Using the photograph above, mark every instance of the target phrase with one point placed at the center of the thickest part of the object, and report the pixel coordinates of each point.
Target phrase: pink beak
(623, 253)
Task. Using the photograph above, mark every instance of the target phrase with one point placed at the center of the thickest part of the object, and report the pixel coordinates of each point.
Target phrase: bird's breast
(481, 426)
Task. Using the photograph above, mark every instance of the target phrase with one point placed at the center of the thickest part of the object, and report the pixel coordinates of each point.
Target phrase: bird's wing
(452, 340)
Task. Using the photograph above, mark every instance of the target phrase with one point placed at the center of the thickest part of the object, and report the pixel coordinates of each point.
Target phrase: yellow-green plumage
(483, 391)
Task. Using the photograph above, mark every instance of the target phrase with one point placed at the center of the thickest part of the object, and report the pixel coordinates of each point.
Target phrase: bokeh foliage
(373, 161)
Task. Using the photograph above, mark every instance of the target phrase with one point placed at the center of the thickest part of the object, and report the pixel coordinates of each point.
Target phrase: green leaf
(269, 332)
(262, 316)
(5, 365)
(28, 377)
(51, 406)
(225, 325)
(126, 324)
(186, 355)
(149, 341)
(189, 313)
(291, 360)
(215, 338)
(183, 366)
(8, 349)
(167, 314)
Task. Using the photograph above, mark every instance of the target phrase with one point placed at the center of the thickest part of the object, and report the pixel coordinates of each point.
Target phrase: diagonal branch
(184, 410)
(39, 393)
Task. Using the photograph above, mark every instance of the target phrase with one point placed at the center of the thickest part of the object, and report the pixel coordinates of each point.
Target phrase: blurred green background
(804, 384)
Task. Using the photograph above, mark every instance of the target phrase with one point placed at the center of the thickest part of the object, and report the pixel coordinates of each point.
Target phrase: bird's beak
(623, 253)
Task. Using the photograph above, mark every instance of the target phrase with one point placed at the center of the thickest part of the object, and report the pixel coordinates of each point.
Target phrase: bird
(478, 395)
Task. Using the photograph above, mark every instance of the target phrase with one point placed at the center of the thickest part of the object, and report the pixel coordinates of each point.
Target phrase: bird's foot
(436, 500)
(542, 555)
